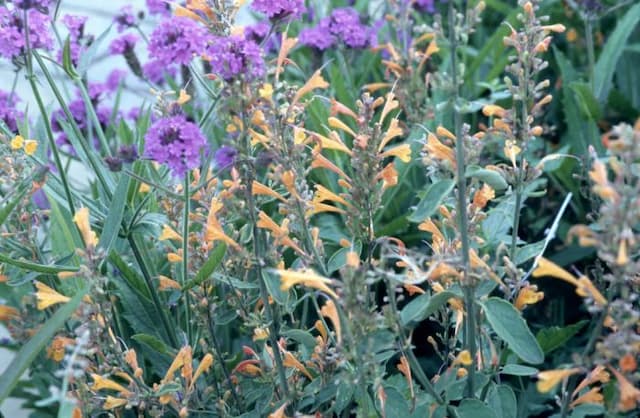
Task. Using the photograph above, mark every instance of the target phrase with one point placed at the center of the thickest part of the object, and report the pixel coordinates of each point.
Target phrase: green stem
(45, 118)
(185, 256)
(468, 285)
(152, 291)
(588, 31)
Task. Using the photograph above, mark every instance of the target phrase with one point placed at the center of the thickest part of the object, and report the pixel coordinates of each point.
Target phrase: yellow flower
(30, 146)
(165, 283)
(402, 152)
(112, 403)
(57, 348)
(176, 364)
(572, 35)
(266, 91)
(306, 278)
(432, 48)
(511, 151)
(280, 412)
(584, 286)
(333, 142)
(629, 394)
(483, 196)
(315, 82)
(292, 362)
(280, 233)
(7, 313)
(100, 382)
(47, 296)
(81, 219)
(586, 236)
(389, 105)
(330, 311)
(17, 142)
(322, 194)
(144, 188)
(493, 110)
(183, 97)
(338, 124)
(203, 367)
(388, 175)
(175, 257)
(528, 295)
(260, 189)
(442, 131)
(169, 234)
(549, 379)
(260, 334)
(593, 395)
(393, 131)
(463, 358)
(213, 229)
(439, 151)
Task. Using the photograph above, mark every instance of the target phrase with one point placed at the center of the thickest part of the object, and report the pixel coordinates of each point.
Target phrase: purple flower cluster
(155, 71)
(343, 25)
(12, 31)
(176, 142)
(278, 9)
(32, 4)
(158, 7)
(8, 112)
(177, 40)
(231, 56)
(125, 19)
(123, 44)
(426, 5)
(225, 157)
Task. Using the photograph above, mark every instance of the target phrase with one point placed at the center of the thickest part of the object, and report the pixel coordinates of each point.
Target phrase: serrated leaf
(508, 323)
(518, 370)
(423, 306)
(153, 343)
(555, 337)
(32, 348)
(588, 103)
(612, 51)
(434, 196)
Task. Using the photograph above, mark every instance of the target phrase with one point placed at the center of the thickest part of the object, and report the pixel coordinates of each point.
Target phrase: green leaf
(518, 370)
(339, 258)
(473, 408)
(529, 251)
(272, 281)
(112, 224)
(40, 268)
(555, 337)
(588, 103)
(87, 56)
(6, 210)
(492, 178)
(423, 306)
(507, 322)
(503, 401)
(67, 63)
(214, 260)
(433, 198)
(612, 51)
(302, 337)
(32, 348)
(153, 343)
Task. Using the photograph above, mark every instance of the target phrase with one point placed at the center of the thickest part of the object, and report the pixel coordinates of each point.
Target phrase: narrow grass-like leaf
(508, 323)
(40, 268)
(112, 224)
(32, 348)
(612, 51)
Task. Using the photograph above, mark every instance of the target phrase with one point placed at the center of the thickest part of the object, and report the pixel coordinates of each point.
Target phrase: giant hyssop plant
(335, 210)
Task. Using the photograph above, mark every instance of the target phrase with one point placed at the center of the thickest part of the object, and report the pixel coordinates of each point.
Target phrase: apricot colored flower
(47, 296)
(307, 278)
(81, 219)
(549, 379)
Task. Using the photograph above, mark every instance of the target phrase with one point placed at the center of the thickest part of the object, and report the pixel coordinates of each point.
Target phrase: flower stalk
(461, 208)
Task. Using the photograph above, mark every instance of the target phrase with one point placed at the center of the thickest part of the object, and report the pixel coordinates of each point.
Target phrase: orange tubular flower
(549, 379)
(306, 278)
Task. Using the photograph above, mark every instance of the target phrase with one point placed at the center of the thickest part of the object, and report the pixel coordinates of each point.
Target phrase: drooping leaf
(508, 323)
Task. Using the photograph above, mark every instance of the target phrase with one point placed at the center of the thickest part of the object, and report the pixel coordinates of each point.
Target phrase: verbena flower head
(225, 156)
(426, 5)
(177, 40)
(8, 112)
(13, 36)
(158, 7)
(75, 25)
(231, 56)
(278, 9)
(155, 71)
(319, 37)
(176, 142)
(32, 4)
(123, 44)
(125, 19)
(345, 23)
